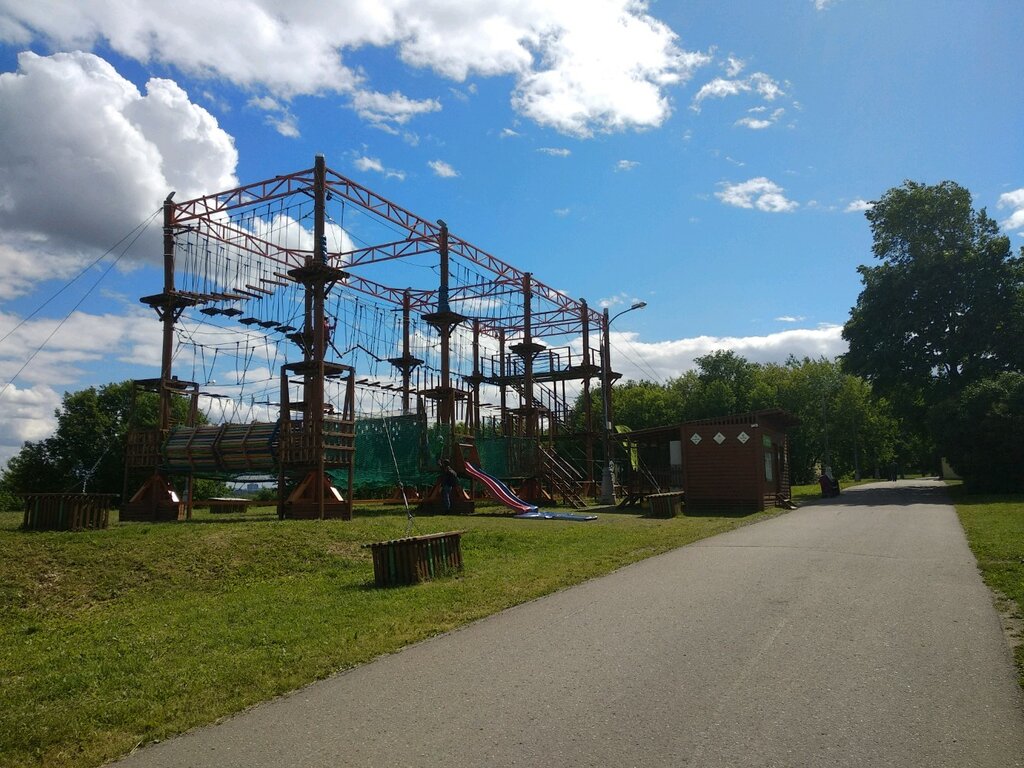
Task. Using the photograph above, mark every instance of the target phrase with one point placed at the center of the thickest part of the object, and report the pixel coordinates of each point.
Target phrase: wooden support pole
(528, 355)
(406, 355)
(314, 379)
(588, 410)
(169, 317)
(475, 419)
(502, 388)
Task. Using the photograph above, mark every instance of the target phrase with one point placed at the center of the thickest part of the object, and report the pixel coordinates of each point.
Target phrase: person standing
(449, 482)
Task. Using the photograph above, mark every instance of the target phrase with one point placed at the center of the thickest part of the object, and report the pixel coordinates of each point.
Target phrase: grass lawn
(995, 531)
(114, 638)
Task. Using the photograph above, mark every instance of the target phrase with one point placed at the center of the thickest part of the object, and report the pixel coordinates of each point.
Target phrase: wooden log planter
(664, 504)
(416, 558)
(66, 511)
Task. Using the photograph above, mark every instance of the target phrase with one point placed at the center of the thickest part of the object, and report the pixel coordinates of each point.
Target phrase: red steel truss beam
(377, 253)
(549, 323)
(370, 201)
(377, 290)
(423, 231)
(241, 197)
(554, 323)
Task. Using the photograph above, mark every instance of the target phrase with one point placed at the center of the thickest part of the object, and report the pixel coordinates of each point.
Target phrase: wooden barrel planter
(66, 511)
(416, 558)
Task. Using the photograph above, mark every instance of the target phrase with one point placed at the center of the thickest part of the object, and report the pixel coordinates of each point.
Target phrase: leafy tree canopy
(943, 309)
(982, 430)
(842, 422)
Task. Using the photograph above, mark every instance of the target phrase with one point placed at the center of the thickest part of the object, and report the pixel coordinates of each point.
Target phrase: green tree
(982, 430)
(943, 308)
(641, 404)
(942, 311)
(842, 423)
(728, 382)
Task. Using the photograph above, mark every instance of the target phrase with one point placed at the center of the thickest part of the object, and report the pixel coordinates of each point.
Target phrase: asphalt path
(852, 632)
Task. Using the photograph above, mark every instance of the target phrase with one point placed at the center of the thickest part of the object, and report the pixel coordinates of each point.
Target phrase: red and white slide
(498, 490)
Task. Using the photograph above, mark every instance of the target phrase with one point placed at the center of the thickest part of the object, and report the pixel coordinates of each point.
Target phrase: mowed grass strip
(111, 639)
(995, 531)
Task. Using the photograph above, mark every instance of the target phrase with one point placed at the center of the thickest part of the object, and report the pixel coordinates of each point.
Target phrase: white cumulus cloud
(760, 123)
(733, 66)
(442, 169)
(667, 359)
(365, 164)
(721, 87)
(386, 108)
(760, 193)
(579, 66)
(1015, 202)
(369, 164)
(82, 140)
(858, 206)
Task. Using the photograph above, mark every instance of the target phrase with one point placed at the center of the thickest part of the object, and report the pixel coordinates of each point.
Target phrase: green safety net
(404, 449)
(507, 457)
(392, 450)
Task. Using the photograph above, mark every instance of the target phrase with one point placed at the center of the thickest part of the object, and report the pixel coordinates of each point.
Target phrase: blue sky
(710, 158)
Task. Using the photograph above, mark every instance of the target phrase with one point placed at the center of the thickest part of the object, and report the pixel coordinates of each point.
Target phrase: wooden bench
(664, 504)
(416, 558)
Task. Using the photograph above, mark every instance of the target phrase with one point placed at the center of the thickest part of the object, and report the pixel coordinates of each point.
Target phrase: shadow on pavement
(905, 493)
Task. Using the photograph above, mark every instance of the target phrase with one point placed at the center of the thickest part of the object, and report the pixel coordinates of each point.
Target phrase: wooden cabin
(737, 462)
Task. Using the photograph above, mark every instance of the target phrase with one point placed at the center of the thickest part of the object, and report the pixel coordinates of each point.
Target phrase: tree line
(842, 423)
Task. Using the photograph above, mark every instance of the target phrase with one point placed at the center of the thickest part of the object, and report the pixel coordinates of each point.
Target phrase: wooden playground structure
(315, 274)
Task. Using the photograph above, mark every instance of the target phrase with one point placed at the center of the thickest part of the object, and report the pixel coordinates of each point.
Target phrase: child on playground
(449, 482)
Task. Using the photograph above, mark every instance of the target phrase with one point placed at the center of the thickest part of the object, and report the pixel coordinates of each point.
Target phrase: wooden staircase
(562, 478)
(550, 403)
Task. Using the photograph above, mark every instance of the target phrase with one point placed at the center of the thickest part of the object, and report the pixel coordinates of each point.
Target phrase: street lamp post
(607, 477)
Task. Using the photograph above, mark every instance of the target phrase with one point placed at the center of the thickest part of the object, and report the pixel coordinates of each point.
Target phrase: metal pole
(501, 387)
(607, 481)
(607, 472)
(446, 403)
